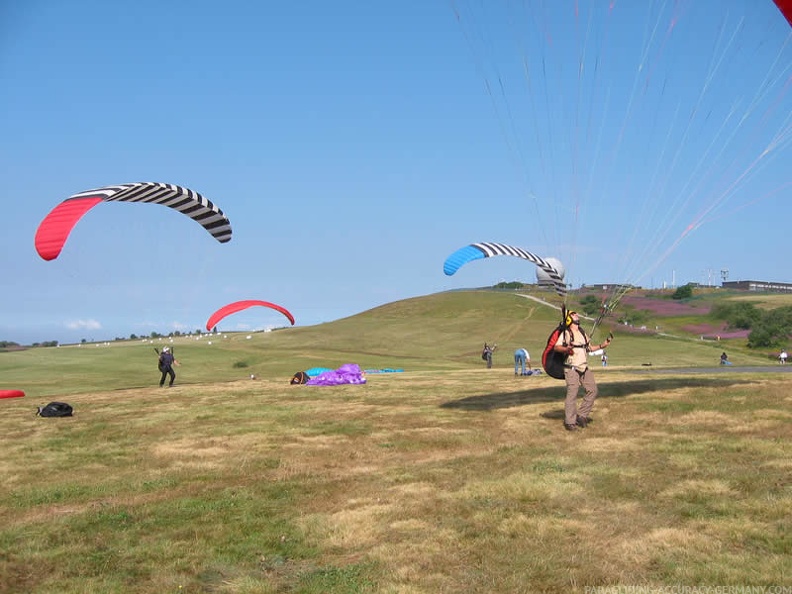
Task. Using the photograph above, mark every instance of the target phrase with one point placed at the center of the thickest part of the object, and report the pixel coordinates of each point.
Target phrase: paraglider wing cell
(232, 308)
(56, 226)
(462, 256)
(477, 251)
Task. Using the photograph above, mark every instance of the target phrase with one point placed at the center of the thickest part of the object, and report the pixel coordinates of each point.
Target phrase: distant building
(609, 286)
(750, 285)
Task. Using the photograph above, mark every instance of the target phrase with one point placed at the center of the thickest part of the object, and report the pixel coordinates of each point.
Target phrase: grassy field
(438, 332)
(447, 477)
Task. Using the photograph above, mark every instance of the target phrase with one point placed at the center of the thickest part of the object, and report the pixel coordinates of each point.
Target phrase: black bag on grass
(299, 378)
(55, 409)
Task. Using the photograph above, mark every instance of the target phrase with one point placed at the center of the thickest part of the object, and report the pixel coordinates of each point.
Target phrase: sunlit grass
(398, 486)
(454, 479)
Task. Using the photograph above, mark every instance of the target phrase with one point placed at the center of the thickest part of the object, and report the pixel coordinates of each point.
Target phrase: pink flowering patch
(659, 307)
(735, 334)
(705, 328)
(715, 331)
(665, 307)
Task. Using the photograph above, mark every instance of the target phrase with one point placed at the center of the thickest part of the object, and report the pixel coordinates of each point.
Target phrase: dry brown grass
(766, 300)
(416, 482)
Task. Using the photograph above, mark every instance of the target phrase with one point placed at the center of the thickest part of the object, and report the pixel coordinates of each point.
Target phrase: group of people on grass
(782, 357)
(576, 346)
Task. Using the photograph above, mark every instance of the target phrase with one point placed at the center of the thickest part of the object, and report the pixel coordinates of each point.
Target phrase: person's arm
(602, 344)
(560, 347)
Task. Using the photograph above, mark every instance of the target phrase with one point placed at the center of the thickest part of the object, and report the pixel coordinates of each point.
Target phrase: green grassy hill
(443, 331)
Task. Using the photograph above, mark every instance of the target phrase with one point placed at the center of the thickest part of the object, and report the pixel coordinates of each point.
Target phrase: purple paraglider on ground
(348, 373)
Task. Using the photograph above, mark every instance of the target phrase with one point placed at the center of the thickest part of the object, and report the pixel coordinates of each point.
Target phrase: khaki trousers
(574, 380)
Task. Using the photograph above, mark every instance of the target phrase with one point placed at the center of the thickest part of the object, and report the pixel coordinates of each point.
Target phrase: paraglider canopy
(786, 9)
(54, 229)
(11, 393)
(543, 277)
(478, 251)
(232, 308)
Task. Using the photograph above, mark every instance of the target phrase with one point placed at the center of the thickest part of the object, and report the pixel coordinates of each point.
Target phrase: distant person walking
(782, 357)
(521, 359)
(165, 365)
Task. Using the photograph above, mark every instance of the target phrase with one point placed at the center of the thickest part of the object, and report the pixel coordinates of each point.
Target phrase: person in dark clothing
(166, 363)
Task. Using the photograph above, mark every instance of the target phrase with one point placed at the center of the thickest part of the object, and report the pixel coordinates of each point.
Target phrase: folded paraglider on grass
(349, 373)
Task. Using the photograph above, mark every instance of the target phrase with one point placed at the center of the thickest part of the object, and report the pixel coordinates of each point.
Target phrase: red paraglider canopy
(54, 230)
(231, 308)
(786, 8)
(11, 393)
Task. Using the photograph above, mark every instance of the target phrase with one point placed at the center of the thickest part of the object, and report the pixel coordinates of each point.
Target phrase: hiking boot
(570, 427)
(584, 421)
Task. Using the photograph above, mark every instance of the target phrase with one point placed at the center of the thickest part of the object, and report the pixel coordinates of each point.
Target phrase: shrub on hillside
(772, 329)
(510, 285)
(634, 317)
(739, 314)
(590, 305)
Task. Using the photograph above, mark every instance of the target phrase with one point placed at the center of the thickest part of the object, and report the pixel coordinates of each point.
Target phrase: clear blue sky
(355, 145)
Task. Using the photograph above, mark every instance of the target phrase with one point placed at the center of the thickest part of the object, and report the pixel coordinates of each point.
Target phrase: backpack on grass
(55, 409)
(299, 378)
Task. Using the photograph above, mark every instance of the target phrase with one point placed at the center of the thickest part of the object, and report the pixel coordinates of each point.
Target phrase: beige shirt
(577, 340)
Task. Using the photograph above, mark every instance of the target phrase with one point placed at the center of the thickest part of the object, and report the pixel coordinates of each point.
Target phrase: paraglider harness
(553, 362)
(165, 361)
(299, 378)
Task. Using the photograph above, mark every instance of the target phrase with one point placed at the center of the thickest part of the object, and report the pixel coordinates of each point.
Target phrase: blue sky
(355, 145)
